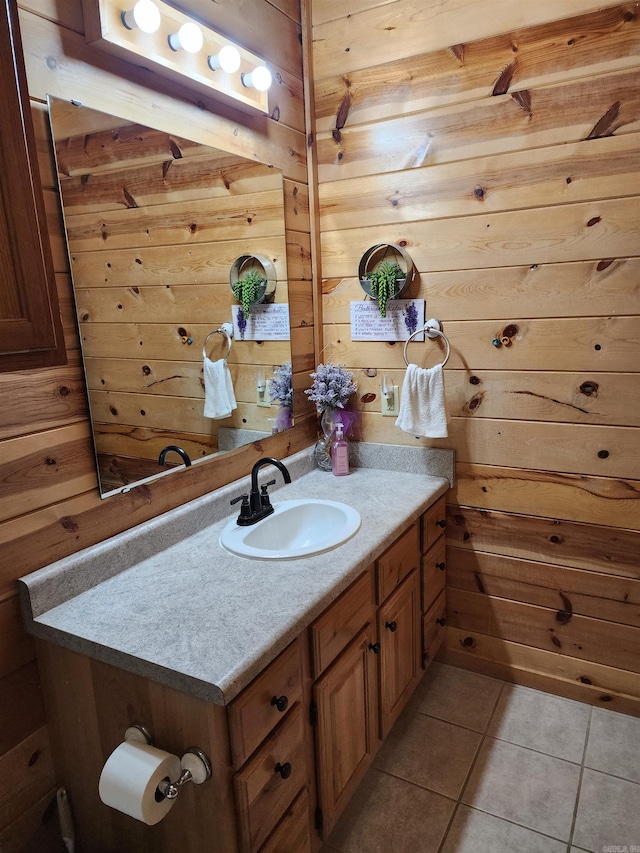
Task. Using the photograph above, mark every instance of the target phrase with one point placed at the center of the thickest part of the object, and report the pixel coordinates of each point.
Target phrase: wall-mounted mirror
(154, 223)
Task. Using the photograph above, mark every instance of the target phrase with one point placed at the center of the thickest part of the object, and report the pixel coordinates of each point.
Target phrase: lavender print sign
(268, 322)
(404, 316)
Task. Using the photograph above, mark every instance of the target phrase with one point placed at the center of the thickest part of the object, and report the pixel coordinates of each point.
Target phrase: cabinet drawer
(433, 522)
(433, 624)
(292, 835)
(264, 703)
(433, 573)
(335, 629)
(270, 781)
(396, 563)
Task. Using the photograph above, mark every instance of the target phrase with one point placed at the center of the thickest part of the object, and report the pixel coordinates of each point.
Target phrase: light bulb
(259, 78)
(228, 59)
(145, 15)
(189, 37)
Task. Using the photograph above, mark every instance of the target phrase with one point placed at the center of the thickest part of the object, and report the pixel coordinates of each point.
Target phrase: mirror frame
(73, 168)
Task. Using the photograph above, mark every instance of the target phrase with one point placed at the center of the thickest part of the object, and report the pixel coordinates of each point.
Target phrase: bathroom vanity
(288, 674)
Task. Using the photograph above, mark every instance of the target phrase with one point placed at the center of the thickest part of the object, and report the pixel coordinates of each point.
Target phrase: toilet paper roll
(130, 777)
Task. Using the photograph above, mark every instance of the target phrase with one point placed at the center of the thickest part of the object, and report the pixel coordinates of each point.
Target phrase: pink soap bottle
(340, 453)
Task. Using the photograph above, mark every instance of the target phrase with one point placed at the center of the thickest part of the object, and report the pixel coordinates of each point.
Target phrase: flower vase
(323, 446)
(329, 420)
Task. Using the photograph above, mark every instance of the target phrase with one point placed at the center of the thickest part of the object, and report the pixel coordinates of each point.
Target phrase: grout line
(579, 788)
(483, 737)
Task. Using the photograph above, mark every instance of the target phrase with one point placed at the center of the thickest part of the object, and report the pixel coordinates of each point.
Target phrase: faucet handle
(264, 496)
(245, 508)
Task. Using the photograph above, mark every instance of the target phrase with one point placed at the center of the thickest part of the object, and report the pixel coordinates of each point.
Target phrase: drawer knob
(375, 647)
(391, 626)
(441, 523)
(280, 702)
(442, 621)
(283, 769)
(440, 566)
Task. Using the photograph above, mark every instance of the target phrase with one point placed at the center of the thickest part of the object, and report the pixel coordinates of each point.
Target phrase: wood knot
(510, 331)
(468, 643)
(475, 380)
(585, 680)
(479, 192)
(594, 221)
(50, 460)
(368, 398)
(64, 391)
(589, 389)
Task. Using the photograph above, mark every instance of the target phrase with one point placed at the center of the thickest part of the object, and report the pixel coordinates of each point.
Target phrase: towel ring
(432, 329)
(225, 329)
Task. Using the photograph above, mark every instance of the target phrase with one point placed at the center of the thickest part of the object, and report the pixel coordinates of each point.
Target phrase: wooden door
(399, 632)
(346, 726)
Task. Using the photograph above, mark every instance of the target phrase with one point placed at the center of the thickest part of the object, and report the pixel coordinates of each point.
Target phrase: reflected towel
(422, 410)
(219, 399)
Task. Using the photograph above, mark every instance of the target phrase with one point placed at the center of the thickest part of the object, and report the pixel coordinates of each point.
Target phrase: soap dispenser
(340, 453)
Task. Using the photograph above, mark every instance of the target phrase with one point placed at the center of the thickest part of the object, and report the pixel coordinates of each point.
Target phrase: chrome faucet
(176, 449)
(256, 505)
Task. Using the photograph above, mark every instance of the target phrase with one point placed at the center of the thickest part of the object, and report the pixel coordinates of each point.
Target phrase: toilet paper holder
(195, 764)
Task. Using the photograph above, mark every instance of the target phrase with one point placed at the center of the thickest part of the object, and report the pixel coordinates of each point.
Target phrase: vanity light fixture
(228, 59)
(169, 42)
(189, 37)
(259, 78)
(145, 15)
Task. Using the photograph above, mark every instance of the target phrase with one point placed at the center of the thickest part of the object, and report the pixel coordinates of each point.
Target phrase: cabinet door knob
(391, 626)
(442, 621)
(283, 769)
(441, 523)
(440, 566)
(375, 647)
(280, 702)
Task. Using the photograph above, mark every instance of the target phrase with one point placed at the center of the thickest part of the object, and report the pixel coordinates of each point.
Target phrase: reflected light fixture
(144, 16)
(259, 78)
(174, 44)
(189, 38)
(228, 60)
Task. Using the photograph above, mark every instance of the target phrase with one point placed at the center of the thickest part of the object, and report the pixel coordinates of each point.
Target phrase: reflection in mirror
(154, 224)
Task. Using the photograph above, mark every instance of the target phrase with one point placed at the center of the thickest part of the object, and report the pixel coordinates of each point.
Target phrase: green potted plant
(386, 282)
(249, 289)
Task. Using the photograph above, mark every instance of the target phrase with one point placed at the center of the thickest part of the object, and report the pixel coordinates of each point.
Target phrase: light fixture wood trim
(104, 29)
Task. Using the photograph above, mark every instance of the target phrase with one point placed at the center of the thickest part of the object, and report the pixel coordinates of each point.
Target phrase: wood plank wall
(49, 504)
(502, 149)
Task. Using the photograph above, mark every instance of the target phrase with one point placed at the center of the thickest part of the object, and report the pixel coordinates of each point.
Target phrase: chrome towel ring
(225, 329)
(433, 329)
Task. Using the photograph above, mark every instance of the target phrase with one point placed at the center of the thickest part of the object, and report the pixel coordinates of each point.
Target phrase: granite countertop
(199, 619)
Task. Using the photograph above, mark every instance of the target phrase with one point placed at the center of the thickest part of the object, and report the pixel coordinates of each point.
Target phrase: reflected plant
(247, 290)
(281, 386)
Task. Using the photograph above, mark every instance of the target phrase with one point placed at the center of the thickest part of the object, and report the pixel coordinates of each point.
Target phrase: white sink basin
(295, 529)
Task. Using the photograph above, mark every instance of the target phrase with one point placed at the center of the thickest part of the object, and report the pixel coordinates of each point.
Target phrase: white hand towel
(422, 410)
(219, 399)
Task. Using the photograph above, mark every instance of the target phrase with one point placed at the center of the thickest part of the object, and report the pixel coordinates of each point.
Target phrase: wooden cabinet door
(30, 325)
(346, 727)
(399, 630)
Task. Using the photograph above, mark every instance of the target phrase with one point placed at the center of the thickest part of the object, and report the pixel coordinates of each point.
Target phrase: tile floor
(476, 764)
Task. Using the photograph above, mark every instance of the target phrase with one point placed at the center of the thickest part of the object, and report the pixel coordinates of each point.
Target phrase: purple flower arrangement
(281, 386)
(332, 386)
